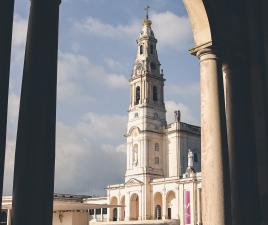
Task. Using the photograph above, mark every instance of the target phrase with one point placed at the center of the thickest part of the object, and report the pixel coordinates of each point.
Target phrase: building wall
(70, 218)
(180, 137)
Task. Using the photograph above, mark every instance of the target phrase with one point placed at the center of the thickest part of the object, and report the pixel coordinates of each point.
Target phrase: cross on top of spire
(147, 11)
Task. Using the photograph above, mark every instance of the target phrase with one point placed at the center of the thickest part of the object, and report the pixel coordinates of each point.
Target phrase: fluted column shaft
(214, 148)
(6, 22)
(33, 185)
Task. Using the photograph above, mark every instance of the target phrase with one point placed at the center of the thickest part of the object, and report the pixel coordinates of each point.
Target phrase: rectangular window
(156, 160)
(98, 211)
(104, 211)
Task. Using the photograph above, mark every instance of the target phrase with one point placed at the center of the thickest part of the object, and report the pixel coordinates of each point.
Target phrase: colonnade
(227, 139)
(214, 146)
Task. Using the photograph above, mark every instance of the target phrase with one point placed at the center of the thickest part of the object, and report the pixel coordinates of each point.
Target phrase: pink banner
(187, 207)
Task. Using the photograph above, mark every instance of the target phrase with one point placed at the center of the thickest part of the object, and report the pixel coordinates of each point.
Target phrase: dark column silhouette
(6, 22)
(33, 185)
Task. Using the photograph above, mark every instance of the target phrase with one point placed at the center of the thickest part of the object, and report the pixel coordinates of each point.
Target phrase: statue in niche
(135, 156)
(190, 159)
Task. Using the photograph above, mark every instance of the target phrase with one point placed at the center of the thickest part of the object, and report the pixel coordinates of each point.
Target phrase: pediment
(134, 131)
(134, 181)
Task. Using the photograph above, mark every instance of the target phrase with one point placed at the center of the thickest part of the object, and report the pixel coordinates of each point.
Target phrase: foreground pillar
(214, 148)
(242, 150)
(33, 185)
(6, 21)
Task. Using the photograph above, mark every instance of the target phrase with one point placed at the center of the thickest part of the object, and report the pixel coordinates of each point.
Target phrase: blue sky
(97, 47)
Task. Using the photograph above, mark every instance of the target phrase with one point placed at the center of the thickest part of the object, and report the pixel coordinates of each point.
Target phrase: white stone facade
(163, 179)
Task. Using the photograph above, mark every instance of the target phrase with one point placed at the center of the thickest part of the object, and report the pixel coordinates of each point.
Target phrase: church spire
(147, 78)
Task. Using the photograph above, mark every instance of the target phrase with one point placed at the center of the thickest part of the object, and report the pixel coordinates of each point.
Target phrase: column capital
(207, 53)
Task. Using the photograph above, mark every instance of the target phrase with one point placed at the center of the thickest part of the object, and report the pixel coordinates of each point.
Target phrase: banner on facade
(187, 207)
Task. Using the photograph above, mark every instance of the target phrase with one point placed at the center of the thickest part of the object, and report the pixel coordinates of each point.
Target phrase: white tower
(147, 113)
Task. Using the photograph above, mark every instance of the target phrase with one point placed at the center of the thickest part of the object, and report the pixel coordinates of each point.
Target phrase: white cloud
(172, 31)
(89, 154)
(76, 72)
(114, 65)
(122, 148)
(192, 89)
(13, 108)
(104, 126)
(19, 31)
(186, 113)
(96, 27)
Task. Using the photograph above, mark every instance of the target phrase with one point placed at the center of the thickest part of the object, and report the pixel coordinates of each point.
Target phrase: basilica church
(162, 179)
(162, 182)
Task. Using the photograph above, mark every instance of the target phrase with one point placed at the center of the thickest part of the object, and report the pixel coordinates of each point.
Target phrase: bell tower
(147, 113)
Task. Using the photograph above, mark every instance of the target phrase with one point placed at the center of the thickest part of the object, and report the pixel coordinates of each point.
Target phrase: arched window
(138, 95)
(156, 147)
(155, 97)
(152, 49)
(141, 49)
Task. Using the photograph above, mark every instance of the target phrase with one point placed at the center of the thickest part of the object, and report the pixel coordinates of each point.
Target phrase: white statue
(135, 157)
(190, 172)
(190, 159)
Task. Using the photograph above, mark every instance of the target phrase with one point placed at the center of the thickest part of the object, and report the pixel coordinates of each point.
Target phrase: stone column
(9, 217)
(177, 202)
(6, 21)
(164, 205)
(242, 147)
(109, 214)
(140, 205)
(127, 208)
(101, 215)
(118, 213)
(214, 148)
(35, 147)
(199, 206)
(95, 216)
